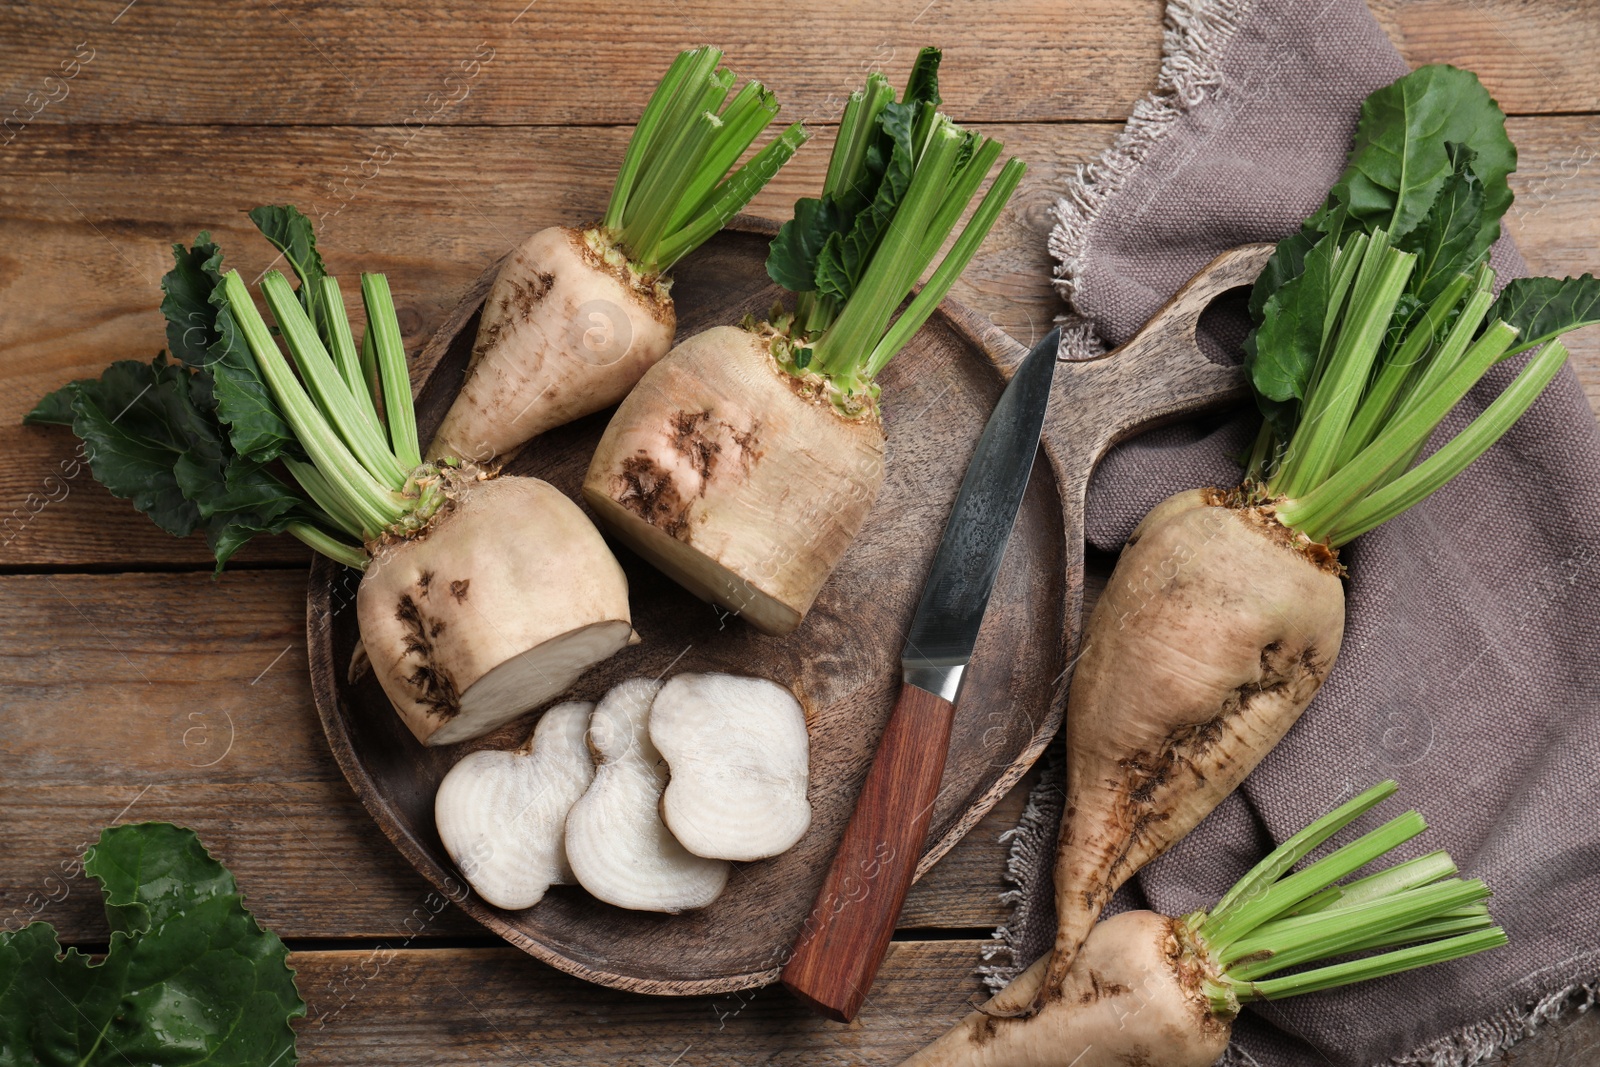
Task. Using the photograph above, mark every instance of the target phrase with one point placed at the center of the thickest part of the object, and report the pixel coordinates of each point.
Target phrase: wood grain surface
(515, 62)
(373, 1007)
(119, 651)
(387, 1005)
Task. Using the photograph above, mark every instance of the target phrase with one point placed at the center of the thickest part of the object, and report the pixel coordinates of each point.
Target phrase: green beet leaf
(1282, 353)
(792, 257)
(54, 410)
(192, 440)
(291, 233)
(846, 255)
(201, 334)
(1451, 239)
(151, 439)
(1429, 166)
(1287, 262)
(1401, 158)
(190, 976)
(922, 85)
(137, 420)
(1544, 308)
(186, 302)
(1289, 258)
(237, 500)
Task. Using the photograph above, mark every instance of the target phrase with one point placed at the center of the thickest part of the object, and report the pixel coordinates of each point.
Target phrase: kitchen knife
(837, 954)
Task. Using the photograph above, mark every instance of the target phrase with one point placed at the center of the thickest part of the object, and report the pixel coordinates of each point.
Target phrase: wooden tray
(843, 662)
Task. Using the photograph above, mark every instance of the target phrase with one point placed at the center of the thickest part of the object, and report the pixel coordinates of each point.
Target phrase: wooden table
(430, 138)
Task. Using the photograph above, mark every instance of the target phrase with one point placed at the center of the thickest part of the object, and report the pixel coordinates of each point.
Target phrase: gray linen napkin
(1469, 668)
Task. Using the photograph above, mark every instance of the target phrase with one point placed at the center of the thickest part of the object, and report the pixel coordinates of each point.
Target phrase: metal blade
(945, 627)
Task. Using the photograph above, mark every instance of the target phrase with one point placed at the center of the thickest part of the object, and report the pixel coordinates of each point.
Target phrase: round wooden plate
(843, 662)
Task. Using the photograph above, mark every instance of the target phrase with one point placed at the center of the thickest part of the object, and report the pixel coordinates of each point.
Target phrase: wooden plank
(173, 697)
(419, 64)
(90, 288)
(309, 859)
(512, 62)
(1535, 58)
(489, 1006)
(1570, 1042)
(965, 886)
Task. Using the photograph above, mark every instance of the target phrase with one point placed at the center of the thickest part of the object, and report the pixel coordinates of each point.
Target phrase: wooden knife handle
(837, 954)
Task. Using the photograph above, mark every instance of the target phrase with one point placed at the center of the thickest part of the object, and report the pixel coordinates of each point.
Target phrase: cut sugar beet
(502, 816)
(472, 625)
(620, 849)
(738, 754)
(699, 472)
(482, 598)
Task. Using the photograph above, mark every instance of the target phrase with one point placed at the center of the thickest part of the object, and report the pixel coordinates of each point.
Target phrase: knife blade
(833, 962)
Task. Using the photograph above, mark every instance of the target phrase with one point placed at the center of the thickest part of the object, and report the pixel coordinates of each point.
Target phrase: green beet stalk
(1348, 466)
(325, 497)
(1474, 311)
(899, 180)
(750, 112)
(335, 549)
(1397, 367)
(853, 335)
(357, 375)
(1414, 913)
(1402, 876)
(673, 190)
(1433, 473)
(328, 387)
(729, 198)
(374, 505)
(1296, 848)
(925, 302)
(690, 66)
(1315, 511)
(981, 154)
(659, 199)
(1332, 403)
(858, 128)
(395, 378)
